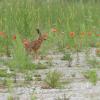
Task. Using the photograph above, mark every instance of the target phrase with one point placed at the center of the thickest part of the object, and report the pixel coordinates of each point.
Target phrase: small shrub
(10, 97)
(9, 84)
(91, 76)
(33, 97)
(53, 79)
(67, 56)
(3, 73)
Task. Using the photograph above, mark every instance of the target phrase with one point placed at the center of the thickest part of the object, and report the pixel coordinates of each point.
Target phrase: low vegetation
(67, 56)
(53, 79)
(91, 75)
(70, 30)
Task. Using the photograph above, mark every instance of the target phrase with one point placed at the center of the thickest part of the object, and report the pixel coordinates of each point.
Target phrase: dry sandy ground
(79, 88)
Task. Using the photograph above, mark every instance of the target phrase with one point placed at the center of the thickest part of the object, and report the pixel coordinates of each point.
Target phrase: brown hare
(36, 44)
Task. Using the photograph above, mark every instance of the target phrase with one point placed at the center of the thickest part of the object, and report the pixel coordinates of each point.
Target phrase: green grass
(91, 75)
(53, 79)
(66, 16)
(24, 16)
(3, 73)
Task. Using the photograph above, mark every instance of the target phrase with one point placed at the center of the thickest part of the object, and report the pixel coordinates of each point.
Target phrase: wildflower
(3, 35)
(54, 30)
(14, 37)
(97, 34)
(89, 33)
(72, 34)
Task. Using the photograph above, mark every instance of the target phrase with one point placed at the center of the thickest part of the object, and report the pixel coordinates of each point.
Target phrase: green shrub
(53, 79)
(10, 97)
(33, 97)
(67, 56)
(3, 73)
(91, 76)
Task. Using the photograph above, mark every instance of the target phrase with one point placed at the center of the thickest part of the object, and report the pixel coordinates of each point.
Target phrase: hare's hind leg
(35, 55)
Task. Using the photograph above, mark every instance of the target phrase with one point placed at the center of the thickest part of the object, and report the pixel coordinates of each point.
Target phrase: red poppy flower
(14, 37)
(54, 30)
(72, 34)
(97, 34)
(3, 34)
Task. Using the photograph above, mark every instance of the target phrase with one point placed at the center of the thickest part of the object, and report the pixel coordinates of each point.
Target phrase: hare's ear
(38, 31)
